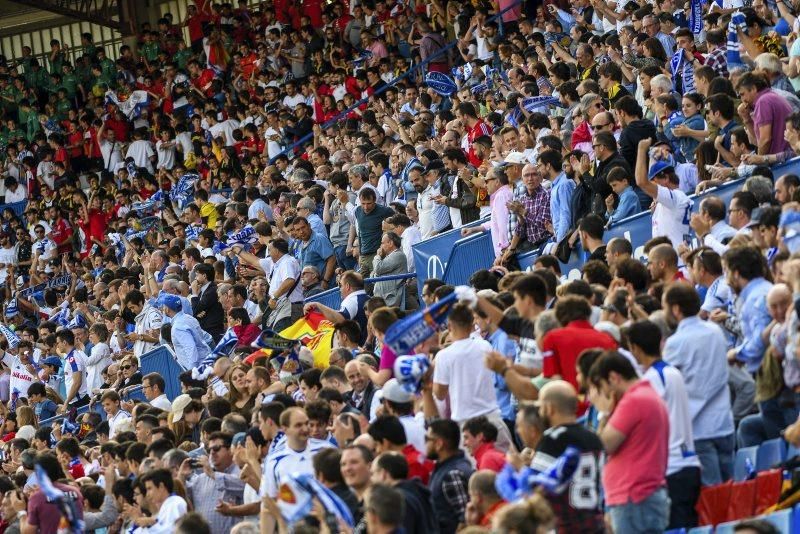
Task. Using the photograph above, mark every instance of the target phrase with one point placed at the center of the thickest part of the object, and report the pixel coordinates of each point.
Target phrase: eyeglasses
(594, 147)
(490, 179)
(215, 448)
(126, 367)
(596, 126)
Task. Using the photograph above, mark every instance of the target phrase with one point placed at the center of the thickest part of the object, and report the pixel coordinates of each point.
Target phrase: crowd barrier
(332, 298)
(160, 360)
(638, 229)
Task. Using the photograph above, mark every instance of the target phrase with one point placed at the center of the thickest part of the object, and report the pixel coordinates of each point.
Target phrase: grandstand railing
(17, 207)
(638, 229)
(435, 57)
(332, 298)
(160, 360)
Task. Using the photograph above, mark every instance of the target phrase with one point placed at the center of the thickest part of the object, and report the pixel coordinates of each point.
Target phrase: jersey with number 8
(579, 507)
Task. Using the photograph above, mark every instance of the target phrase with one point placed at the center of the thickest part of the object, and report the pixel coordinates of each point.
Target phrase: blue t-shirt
(316, 252)
(45, 409)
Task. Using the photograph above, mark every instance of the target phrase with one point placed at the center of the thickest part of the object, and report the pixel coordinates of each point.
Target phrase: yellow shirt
(209, 214)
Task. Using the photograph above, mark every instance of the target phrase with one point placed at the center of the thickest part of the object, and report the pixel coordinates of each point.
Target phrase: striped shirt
(149, 319)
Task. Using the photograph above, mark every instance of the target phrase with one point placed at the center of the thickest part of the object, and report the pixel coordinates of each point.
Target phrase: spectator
(449, 482)
(636, 440)
(696, 349)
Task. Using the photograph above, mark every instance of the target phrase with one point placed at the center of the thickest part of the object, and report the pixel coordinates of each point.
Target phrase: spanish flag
(315, 332)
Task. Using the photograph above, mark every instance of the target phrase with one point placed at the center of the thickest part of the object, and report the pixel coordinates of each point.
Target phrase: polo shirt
(562, 346)
(370, 230)
(316, 252)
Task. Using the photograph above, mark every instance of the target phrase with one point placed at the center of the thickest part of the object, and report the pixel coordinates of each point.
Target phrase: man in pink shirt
(636, 439)
(499, 196)
(763, 113)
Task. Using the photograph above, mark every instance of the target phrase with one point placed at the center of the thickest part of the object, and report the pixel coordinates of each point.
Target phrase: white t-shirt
(8, 256)
(286, 461)
(291, 101)
(225, 127)
(286, 267)
(75, 364)
(141, 151)
(170, 512)
(671, 216)
(21, 379)
(116, 420)
(415, 432)
(166, 155)
(471, 385)
(99, 358)
(668, 383)
(16, 196)
(273, 146)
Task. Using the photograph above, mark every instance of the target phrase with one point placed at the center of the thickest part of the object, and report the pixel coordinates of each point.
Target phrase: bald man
(484, 501)
(578, 507)
(617, 250)
(662, 263)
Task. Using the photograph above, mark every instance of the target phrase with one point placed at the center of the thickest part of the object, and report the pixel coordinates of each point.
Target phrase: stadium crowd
(197, 191)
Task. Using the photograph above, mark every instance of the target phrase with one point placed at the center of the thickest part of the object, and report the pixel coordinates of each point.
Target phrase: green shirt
(181, 57)
(31, 121)
(150, 51)
(70, 83)
(9, 91)
(57, 63)
(109, 69)
(62, 108)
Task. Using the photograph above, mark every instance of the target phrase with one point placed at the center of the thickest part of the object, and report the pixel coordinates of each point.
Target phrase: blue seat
(782, 519)
(726, 528)
(791, 451)
(740, 464)
(796, 519)
(769, 453)
(701, 530)
(676, 531)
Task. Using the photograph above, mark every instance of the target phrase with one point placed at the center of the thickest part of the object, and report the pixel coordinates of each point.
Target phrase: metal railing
(332, 298)
(132, 393)
(414, 68)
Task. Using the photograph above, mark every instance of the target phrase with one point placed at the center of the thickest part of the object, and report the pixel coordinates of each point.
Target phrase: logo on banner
(435, 267)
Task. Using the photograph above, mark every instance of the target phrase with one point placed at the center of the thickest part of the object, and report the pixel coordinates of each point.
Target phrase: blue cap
(55, 361)
(173, 302)
(658, 167)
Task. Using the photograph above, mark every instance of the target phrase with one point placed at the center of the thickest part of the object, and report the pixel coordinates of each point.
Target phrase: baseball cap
(178, 405)
(766, 216)
(658, 167)
(515, 158)
(173, 302)
(434, 165)
(55, 361)
(238, 438)
(393, 391)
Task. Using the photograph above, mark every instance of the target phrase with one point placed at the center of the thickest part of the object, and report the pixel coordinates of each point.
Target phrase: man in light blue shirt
(744, 270)
(560, 192)
(306, 209)
(190, 341)
(316, 250)
(629, 203)
(697, 349)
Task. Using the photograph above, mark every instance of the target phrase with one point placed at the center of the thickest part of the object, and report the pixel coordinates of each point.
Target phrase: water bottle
(750, 468)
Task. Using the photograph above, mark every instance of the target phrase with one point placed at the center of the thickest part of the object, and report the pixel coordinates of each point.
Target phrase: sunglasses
(126, 367)
(216, 448)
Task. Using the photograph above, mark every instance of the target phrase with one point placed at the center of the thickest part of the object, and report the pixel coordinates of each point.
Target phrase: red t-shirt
(479, 129)
(488, 457)
(61, 234)
(76, 138)
(46, 515)
(562, 346)
(638, 467)
(418, 466)
(206, 76)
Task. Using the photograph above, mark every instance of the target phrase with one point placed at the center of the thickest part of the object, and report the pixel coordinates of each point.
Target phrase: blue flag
(296, 499)
(407, 333)
(10, 335)
(534, 103)
(513, 486)
(441, 83)
(66, 505)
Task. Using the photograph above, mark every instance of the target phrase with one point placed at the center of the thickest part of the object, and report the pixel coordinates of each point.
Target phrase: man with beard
(391, 468)
(578, 508)
(450, 477)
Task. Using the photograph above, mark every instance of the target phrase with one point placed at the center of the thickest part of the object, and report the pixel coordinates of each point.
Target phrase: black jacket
(366, 399)
(208, 311)
(599, 186)
(419, 517)
(630, 137)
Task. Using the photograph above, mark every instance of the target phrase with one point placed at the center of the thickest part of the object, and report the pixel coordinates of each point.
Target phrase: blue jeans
(716, 459)
(774, 415)
(649, 516)
(342, 259)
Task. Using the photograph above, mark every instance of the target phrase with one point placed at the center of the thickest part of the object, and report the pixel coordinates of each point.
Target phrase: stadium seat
(725, 528)
(770, 453)
(782, 519)
(740, 464)
(791, 451)
(676, 531)
(701, 530)
(796, 519)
